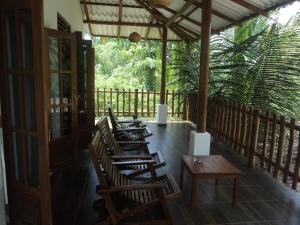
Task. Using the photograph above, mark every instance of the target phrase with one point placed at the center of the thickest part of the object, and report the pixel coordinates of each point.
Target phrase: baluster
(129, 103)
(254, 138)
(104, 102)
(290, 151)
(296, 169)
(243, 131)
(238, 126)
(123, 102)
(148, 107)
(98, 103)
(142, 106)
(154, 102)
(280, 147)
(117, 101)
(273, 142)
(136, 102)
(265, 140)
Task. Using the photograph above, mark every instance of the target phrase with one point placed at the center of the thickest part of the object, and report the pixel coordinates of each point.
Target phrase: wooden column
(204, 65)
(163, 66)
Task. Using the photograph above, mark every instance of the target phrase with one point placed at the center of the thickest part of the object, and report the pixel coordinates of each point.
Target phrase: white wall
(69, 9)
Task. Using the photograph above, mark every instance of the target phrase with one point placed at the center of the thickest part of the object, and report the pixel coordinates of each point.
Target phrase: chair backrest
(113, 119)
(103, 127)
(110, 175)
(107, 173)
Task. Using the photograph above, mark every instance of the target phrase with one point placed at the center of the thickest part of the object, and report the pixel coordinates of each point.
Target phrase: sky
(287, 12)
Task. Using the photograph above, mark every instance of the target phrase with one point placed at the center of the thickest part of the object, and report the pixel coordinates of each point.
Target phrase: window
(62, 24)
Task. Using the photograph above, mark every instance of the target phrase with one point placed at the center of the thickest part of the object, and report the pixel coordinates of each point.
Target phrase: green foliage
(122, 64)
(256, 64)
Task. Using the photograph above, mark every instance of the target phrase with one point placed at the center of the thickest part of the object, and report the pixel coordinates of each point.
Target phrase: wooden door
(62, 84)
(85, 90)
(24, 113)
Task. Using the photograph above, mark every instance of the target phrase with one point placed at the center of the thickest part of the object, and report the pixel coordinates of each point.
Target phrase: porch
(263, 200)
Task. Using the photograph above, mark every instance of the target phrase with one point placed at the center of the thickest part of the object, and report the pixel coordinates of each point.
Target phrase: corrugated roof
(104, 18)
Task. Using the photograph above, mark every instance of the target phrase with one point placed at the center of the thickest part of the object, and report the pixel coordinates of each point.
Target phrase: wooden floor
(263, 201)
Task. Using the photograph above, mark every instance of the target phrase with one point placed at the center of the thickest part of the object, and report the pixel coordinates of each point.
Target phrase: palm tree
(255, 64)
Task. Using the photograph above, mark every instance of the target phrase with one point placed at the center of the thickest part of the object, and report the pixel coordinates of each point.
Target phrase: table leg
(236, 191)
(217, 182)
(194, 191)
(181, 175)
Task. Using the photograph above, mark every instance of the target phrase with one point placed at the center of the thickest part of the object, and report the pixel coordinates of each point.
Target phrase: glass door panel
(62, 85)
(24, 120)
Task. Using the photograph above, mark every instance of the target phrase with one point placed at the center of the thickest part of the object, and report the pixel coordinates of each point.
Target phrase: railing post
(117, 101)
(98, 103)
(123, 102)
(290, 150)
(296, 169)
(184, 111)
(265, 140)
(142, 101)
(136, 102)
(280, 147)
(104, 101)
(273, 143)
(254, 138)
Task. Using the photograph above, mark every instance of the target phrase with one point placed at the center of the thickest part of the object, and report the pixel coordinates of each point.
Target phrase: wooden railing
(128, 102)
(269, 141)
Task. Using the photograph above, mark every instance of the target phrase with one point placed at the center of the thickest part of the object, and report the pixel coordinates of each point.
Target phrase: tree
(256, 64)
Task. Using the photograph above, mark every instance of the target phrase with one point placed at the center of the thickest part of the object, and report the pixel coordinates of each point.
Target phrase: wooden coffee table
(212, 167)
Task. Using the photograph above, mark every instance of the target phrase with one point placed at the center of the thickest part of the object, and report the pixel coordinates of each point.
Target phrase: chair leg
(164, 206)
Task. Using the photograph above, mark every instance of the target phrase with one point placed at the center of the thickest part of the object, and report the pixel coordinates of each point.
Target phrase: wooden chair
(139, 197)
(125, 123)
(119, 155)
(128, 130)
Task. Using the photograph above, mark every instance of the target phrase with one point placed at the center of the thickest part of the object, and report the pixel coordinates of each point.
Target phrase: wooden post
(290, 151)
(280, 150)
(136, 102)
(204, 65)
(163, 66)
(254, 138)
(98, 103)
(142, 100)
(117, 101)
(265, 140)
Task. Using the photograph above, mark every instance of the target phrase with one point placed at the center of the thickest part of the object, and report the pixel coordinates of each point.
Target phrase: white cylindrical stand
(162, 114)
(199, 143)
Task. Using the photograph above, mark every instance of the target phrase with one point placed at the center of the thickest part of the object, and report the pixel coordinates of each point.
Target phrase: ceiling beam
(250, 7)
(180, 33)
(186, 17)
(120, 16)
(86, 12)
(180, 12)
(182, 16)
(112, 5)
(116, 23)
(219, 14)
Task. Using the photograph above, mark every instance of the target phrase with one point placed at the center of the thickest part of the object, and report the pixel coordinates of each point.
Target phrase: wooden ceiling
(118, 18)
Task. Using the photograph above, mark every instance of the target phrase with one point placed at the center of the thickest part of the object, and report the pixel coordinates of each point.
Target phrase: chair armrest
(133, 142)
(134, 163)
(144, 157)
(129, 188)
(130, 121)
(132, 129)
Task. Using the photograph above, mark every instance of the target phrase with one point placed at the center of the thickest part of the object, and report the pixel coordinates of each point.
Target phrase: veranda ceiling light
(134, 37)
(159, 3)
